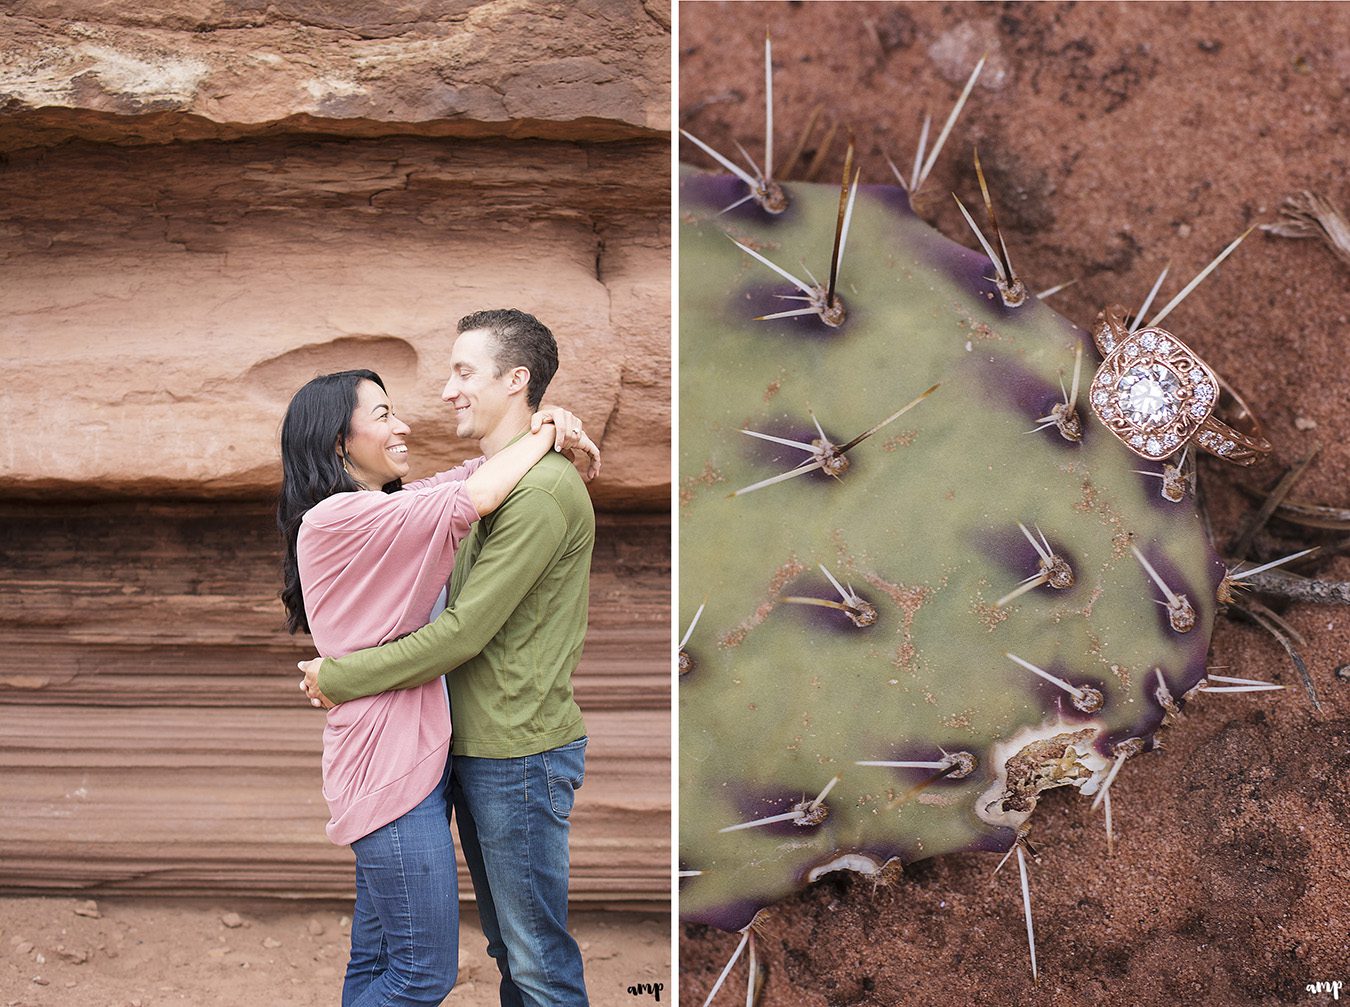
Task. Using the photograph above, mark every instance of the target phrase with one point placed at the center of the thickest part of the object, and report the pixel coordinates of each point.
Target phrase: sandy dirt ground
(1118, 137)
(62, 952)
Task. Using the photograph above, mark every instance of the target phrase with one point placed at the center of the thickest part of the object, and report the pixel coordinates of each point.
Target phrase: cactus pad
(849, 612)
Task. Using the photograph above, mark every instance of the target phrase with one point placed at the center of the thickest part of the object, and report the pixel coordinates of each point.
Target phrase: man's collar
(523, 431)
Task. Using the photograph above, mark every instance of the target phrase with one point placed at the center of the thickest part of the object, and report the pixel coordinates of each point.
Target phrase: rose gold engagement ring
(1154, 393)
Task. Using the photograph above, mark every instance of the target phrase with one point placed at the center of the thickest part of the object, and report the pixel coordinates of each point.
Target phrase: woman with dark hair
(367, 561)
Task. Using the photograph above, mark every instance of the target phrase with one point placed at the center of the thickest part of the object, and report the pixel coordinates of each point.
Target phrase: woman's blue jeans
(513, 826)
(405, 927)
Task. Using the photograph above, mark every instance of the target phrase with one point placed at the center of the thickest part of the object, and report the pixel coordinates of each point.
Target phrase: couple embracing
(463, 594)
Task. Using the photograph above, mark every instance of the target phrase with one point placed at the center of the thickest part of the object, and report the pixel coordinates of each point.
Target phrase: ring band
(1156, 395)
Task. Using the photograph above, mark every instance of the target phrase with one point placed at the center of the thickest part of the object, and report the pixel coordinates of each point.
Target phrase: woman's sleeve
(407, 526)
(457, 474)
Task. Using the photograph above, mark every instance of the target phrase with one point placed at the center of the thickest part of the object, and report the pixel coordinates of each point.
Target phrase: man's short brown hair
(521, 341)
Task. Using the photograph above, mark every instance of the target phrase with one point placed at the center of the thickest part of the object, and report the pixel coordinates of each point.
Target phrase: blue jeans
(405, 927)
(513, 827)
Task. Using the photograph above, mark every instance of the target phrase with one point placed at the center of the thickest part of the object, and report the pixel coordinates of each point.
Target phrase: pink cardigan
(372, 565)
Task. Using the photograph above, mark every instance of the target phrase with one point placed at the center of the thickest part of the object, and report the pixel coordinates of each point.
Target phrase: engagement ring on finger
(1156, 395)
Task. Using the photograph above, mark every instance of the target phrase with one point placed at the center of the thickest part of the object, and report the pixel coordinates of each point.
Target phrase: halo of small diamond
(1154, 393)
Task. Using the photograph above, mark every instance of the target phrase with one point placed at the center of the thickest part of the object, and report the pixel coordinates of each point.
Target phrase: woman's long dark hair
(318, 420)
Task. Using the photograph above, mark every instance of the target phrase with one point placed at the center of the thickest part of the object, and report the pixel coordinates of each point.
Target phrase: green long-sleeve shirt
(513, 627)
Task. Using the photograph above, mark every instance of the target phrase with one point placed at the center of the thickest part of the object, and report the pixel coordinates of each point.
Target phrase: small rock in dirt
(71, 984)
(23, 947)
(894, 30)
(271, 942)
(957, 50)
(40, 958)
(232, 920)
(315, 927)
(218, 952)
(39, 981)
(76, 956)
(1303, 423)
(345, 924)
(90, 909)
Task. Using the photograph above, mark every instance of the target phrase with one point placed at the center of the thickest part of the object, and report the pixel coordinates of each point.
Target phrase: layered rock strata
(152, 738)
(123, 72)
(164, 303)
(205, 205)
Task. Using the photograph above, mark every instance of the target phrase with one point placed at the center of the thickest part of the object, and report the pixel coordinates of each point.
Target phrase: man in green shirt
(511, 636)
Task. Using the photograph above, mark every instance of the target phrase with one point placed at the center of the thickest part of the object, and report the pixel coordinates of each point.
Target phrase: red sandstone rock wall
(198, 69)
(152, 738)
(165, 302)
(205, 206)
(200, 209)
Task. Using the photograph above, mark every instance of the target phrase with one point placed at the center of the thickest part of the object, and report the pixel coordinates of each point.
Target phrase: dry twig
(1308, 215)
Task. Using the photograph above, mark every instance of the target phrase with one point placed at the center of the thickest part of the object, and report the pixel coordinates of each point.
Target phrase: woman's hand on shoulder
(568, 436)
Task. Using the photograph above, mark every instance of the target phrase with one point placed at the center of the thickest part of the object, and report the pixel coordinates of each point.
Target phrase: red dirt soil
(202, 953)
(1117, 138)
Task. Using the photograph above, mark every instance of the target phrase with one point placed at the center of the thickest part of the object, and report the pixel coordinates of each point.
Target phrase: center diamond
(1149, 395)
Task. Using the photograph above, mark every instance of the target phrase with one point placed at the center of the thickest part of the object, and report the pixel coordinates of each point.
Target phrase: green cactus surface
(850, 612)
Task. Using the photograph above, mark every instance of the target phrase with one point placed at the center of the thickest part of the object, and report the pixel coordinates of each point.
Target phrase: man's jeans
(405, 927)
(513, 827)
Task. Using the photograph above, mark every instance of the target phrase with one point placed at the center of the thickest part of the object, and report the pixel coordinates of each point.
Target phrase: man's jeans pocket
(566, 770)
